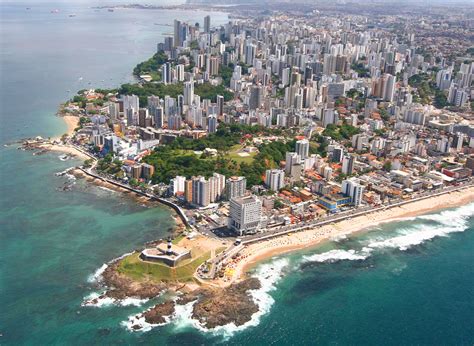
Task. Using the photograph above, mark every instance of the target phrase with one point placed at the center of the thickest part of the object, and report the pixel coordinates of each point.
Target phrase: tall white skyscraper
(353, 188)
(235, 187)
(166, 73)
(302, 148)
(275, 179)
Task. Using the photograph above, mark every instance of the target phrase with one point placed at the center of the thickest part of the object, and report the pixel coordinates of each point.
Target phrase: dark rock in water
(156, 315)
(229, 305)
(186, 298)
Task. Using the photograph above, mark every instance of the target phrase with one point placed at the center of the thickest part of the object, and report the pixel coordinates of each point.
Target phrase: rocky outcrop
(218, 307)
(156, 315)
(121, 287)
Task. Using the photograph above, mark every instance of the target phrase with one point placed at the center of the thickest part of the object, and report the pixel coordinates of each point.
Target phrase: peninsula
(270, 134)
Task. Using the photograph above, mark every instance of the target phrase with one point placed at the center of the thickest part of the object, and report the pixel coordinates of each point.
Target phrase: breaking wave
(338, 255)
(437, 225)
(101, 300)
(432, 226)
(97, 276)
(422, 229)
(268, 274)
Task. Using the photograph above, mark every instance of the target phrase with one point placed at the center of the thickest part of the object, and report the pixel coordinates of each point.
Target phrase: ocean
(409, 282)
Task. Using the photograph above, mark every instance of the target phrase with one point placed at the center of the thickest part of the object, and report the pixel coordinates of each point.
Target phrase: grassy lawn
(176, 240)
(234, 155)
(133, 267)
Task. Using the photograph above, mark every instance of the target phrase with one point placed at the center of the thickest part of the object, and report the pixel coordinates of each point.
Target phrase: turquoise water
(410, 282)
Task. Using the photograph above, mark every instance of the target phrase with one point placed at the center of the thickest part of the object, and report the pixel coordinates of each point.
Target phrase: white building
(235, 187)
(302, 148)
(245, 214)
(275, 179)
(352, 187)
(177, 184)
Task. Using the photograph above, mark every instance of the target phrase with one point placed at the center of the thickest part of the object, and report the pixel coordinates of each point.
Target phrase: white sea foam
(70, 177)
(97, 300)
(97, 276)
(100, 300)
(106, 189)
(141, 325)
(448, 221)
(268, 274)
(339, 238)
(338, 255)
(140, 322)
(132, 301)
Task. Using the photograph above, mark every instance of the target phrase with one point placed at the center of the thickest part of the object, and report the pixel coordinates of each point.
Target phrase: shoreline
(255, 253)
(72, 122)
(179, 226)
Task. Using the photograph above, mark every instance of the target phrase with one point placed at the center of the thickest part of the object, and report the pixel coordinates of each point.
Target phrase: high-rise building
(275, 179)
(168, 44)
(255, 98)
(235, 187)
(188, 191)
(114, 110)
(177, 185)
(166, 73)
(302, 148)
(348, 164)
(180, 72)
(245, 214)
(130, 102)
(177, 33)
(216, 187)
(291, 159)
(220, 104)
(188, 93)
(142, 117)
(157, 114)
(147, 171)
(201, 192)
(337, 154)
(330, 116)
(353, 188)
(212, 123)
(174, 122)
(207, 23)
(250, 52)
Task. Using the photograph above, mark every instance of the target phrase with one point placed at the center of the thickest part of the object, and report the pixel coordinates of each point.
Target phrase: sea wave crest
(445, 222)
(338, 255)
(268, 274)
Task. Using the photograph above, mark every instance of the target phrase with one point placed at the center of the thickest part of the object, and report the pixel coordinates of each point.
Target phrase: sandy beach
(254, 253)
(66, 149)
(71, 122)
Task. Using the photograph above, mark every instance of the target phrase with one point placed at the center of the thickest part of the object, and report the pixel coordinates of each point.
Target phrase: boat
(110, 10)
(55, 11)
(72, 15)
